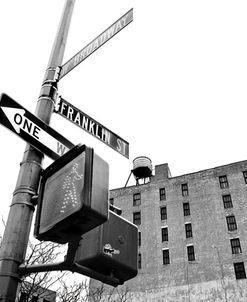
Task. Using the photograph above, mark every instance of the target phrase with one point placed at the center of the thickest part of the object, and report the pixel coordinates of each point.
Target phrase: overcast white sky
(172, 83)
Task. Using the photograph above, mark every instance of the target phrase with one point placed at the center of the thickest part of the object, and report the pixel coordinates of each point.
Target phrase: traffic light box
(73, 202)
(73, 196)
(110, 249)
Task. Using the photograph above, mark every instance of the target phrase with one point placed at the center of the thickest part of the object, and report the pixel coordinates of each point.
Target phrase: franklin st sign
(91, 126)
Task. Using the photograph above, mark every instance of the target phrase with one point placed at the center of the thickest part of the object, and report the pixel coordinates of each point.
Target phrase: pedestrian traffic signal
(73, 196)
(110, 249)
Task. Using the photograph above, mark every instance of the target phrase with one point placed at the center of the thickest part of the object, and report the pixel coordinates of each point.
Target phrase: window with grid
(191, 253)
(166, 257)
(136, 199)
(139, 239)
(245, 176)
(139, 262)
(186, 207)
(164, 234)
(162, 193)
(163, 213)
(231, 223)
(185, 190)
(223, 182)
(188, 230)
(137, 218)
(227, 201)
(235, 245)
(239, 270)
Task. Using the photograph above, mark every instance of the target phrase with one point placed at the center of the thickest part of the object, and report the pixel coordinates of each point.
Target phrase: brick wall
(211, 276)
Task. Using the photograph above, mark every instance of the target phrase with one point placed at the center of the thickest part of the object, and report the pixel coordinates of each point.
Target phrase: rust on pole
(17, 230)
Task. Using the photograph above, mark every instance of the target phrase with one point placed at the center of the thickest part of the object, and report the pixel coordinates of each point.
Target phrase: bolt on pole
(17, 230)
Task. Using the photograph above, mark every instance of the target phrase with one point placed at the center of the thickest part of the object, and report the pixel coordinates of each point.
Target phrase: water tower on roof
(142, 170)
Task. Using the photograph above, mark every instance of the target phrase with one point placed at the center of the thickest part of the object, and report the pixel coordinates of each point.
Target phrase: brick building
(192, 234)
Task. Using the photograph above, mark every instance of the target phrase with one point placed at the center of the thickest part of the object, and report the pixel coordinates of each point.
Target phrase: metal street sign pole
(16, 235)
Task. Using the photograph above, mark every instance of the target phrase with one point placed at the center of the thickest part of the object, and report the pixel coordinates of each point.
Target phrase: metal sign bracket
(52, 75)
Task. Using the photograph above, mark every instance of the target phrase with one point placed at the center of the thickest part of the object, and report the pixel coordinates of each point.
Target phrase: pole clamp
(48, 91)
(52, 75)
(8, 268)
(25, 189)
(16, 276)
(34, 162)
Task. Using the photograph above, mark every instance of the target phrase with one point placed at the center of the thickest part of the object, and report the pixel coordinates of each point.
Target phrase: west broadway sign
(96, 43)
(88, 124)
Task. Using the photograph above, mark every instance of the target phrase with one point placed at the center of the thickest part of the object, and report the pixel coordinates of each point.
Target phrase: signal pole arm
(110, 280)
(17, 230)
(69, 265)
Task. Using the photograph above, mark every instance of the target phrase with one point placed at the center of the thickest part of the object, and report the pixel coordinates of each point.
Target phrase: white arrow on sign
(20, 122)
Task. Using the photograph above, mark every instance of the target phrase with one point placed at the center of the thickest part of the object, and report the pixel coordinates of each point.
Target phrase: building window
(136, 199)
(191, 253)
(227, 201)
(245, 176)
(166, 257)
(139, 261)
(186, 207)
(137, 218)
(231, 223)
(239, 270)
(185, 191)
(188, 230)
(235, 245)
(163, 213)
(139, 239)
(111, 201)
(164, 234)
(162, 194)
(223, 182)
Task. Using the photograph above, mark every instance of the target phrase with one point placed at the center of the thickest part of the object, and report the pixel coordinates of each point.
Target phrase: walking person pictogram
(69, 185)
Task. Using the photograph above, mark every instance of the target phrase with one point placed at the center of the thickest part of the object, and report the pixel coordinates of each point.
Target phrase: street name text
(88, 124)
(97, 42)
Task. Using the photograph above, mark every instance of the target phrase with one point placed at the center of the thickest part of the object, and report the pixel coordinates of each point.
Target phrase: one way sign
(30, 128)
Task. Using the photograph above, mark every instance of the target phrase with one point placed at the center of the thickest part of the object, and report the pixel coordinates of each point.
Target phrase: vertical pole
(17, 231)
